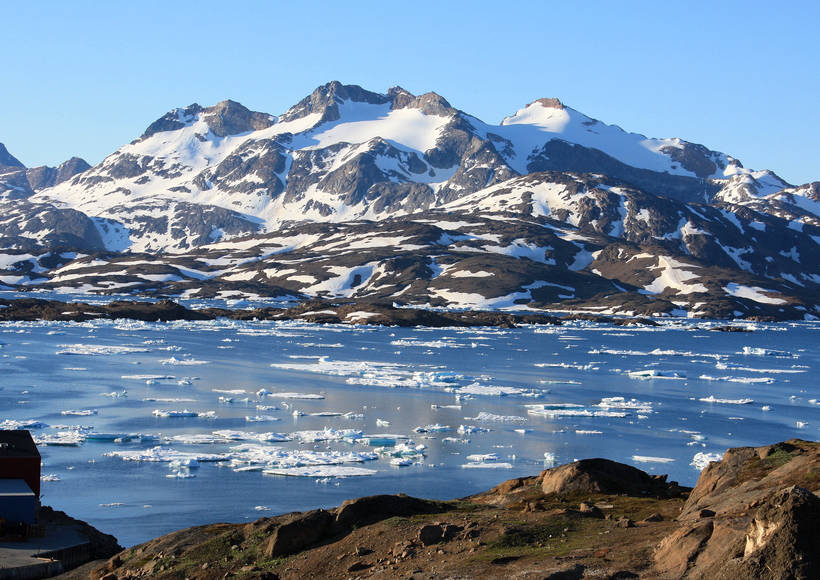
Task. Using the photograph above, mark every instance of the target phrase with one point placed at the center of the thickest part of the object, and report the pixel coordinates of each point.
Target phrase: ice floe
(98, 349)
(713, 399)
(184, 362)
(435, 428)
(15, 424)
(321, 471)
(701, 460)
(479, 389)
(183, 413)
(652, 374)
(759, 351)
(730, 379)
(651, 459)
(492, 417)
(487, 465)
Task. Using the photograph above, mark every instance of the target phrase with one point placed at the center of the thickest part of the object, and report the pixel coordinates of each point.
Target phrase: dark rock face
(325, 100)
(173, 120)
(43, 177)
(696, 158)
(428, 103)
(254, 166)
(66, 228)
(302, 531)
(232, 118)
(7, 159)
(558, 155)
(13, 183)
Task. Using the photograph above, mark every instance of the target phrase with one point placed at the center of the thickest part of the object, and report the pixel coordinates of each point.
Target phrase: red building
(19, 459)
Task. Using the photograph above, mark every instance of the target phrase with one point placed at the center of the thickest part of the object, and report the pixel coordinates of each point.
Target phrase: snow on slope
(361, 122)
(531, 127)
(183, 161)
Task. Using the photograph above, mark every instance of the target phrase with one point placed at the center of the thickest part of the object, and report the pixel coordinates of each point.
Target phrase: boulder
(602, 476)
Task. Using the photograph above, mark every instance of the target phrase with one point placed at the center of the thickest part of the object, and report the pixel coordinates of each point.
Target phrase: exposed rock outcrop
(605, 476)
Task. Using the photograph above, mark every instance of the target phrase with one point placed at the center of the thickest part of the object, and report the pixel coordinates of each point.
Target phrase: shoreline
(320, 312)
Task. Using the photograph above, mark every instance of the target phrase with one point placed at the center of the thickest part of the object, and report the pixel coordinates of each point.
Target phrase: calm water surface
(411, 380)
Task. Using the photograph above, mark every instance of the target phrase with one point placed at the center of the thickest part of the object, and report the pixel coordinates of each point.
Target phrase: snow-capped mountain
(547, 199)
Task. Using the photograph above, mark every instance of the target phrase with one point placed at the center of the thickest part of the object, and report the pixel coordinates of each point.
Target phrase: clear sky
(84, 77)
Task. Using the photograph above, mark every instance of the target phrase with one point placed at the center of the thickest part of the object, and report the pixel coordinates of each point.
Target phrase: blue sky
(82, 78)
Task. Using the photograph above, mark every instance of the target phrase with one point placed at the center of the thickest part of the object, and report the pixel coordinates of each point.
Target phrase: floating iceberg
(650, 459)
(701, 460)
(713, 399)
(750, 380)
(166, 454)
(322, 471)
(98, 349)
(14, 424)
(184, 362)
(436, 428)
(492, 417)
(651, 374)
(183, 413)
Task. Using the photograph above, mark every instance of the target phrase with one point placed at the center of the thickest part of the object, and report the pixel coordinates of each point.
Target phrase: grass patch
(757, 468)
(534, 534)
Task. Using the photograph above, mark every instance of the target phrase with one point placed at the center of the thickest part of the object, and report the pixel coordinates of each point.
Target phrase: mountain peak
(428, 103)
(227, 117)
(325, 101)
(549, 103)
(173, 120)
(230, 118)
(8, 159)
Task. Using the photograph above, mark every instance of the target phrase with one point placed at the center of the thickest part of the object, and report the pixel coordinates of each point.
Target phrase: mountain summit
(544, 203)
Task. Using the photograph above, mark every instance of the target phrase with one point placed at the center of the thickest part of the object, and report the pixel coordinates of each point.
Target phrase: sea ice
(650, 459)
(98, 349)
(712, 399)
(492, 417)
(183, 413)
(322, 471)
(435, 428)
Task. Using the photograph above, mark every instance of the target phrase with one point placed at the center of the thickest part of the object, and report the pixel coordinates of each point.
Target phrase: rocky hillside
(393, 196)
(752, 515)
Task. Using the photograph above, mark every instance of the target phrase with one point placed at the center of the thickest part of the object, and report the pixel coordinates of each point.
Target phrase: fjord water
(555, 368)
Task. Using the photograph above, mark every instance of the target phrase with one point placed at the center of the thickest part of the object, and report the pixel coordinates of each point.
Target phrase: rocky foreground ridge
(405, 198)
(754, 514)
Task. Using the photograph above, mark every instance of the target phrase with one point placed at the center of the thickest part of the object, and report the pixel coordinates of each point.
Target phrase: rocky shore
(752, 515)
(317, 311)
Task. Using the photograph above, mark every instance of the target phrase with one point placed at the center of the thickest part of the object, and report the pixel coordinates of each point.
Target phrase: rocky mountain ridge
(404, 198)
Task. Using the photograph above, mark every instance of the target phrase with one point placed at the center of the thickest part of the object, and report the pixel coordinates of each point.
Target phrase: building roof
(15, 488)
(17, 444)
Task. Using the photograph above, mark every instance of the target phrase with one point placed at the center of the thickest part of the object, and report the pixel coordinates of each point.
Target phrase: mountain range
(394, 197)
